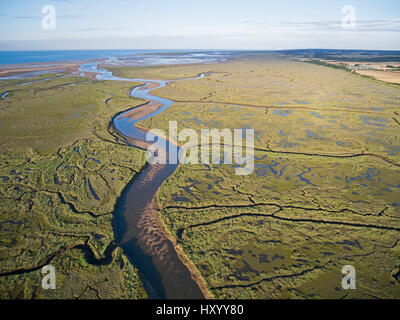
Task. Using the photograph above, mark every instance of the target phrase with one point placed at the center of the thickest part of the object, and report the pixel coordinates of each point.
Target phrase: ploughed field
(325, 191)
(62, 168)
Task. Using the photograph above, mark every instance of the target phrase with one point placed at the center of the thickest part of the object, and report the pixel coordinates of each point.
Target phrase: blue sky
(199, 24)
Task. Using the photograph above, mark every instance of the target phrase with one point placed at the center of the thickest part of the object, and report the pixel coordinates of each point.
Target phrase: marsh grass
(62, 169)
(324, 192)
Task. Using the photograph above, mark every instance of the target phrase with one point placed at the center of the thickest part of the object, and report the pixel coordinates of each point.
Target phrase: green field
(62, 169)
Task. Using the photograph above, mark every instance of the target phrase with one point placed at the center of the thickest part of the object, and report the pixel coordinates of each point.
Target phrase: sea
(130, 57)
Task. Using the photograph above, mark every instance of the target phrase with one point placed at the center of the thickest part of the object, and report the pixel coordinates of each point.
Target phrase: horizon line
(251, 50)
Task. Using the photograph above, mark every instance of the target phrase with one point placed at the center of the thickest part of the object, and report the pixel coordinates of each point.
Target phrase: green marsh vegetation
(159, 72)
(62, 169)
(324, 193)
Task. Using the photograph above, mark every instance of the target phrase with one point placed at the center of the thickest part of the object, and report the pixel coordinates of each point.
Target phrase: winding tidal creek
(137, 225)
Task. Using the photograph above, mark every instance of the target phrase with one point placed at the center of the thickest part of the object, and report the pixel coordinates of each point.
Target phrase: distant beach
(20, 64)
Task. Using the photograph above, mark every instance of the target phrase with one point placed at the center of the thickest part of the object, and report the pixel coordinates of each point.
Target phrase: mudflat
(11, 70)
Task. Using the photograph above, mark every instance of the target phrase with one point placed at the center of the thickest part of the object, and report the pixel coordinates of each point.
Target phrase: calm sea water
(143, 56)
